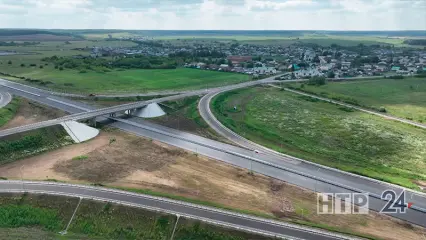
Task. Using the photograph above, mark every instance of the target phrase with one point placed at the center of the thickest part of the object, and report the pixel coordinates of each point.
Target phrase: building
(239, 59)
(264, 70)
(395, 68)
(294, 67)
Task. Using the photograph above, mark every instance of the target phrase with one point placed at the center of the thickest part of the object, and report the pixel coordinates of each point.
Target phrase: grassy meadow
(327, 134)
(405, 98)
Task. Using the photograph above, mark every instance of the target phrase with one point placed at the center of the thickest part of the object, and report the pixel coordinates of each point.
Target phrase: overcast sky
(215, 14)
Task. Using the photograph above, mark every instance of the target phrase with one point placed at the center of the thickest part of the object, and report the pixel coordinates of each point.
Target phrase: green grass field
(135, 80)
(327, 134)
(45, 216)
(404, 98)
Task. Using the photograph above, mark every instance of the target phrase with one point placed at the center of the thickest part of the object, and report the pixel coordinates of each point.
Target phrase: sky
(215, 14)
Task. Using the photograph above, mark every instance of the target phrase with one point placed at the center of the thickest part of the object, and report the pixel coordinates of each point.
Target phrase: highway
(292, 170)
(203, 213)
(5, 98)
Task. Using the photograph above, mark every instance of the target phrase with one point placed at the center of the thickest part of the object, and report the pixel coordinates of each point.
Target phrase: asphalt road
(5, 98)
(212, 215)
(288, 169)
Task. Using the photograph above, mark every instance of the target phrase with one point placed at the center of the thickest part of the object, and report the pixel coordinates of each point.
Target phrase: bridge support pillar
(92, 122)
(112, 114)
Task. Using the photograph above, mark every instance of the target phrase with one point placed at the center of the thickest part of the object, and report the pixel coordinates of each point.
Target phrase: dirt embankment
(119, 159)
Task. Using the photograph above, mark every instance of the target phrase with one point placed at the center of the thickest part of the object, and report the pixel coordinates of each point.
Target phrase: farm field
(403, 98)
(32, 216)
(327, 134)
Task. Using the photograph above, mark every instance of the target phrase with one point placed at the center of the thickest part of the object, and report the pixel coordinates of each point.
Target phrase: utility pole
(22, 178)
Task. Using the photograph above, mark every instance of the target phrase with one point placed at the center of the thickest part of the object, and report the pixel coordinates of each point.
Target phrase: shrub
(396, 77)
(61, 68)
(382, 109)
(41, 66)
(316, 81)
(22, 65)
(9, 62)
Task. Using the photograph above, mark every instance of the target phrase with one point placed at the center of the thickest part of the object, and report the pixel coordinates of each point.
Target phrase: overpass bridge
(92, 114)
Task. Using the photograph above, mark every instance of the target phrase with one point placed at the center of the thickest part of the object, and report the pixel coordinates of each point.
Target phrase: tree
(257, 58)
(9, 62)
(316, 59)
(331, 74)
(316, 81)
(250, 65)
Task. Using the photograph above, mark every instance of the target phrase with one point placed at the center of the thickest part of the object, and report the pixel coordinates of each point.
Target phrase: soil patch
(118, 159)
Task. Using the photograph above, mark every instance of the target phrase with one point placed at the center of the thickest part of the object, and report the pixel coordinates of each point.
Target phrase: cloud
(215, 14)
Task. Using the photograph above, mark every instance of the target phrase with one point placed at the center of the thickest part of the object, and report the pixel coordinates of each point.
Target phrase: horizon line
(301, 30)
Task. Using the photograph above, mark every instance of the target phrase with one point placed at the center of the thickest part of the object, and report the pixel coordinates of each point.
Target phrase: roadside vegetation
(27, 144)
(46, 216)
(9, 111)
(403, 98)
(327, 134)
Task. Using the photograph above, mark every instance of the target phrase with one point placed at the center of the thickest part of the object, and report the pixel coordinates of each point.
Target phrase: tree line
(89, 63)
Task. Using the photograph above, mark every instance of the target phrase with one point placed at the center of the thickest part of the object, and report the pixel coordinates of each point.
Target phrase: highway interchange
(289, 169)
